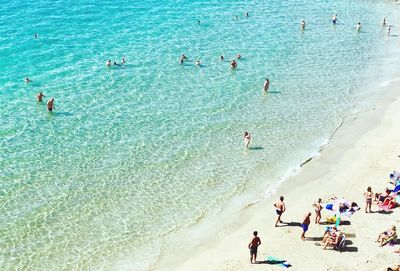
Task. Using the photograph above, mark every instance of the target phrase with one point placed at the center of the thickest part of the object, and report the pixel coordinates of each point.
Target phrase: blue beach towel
(277, 261)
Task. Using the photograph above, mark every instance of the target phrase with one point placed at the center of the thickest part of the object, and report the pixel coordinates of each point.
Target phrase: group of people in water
(233, 64)
(40, 96)
(109, 64)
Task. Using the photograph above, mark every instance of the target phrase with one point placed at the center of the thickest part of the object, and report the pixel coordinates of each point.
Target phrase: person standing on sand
(253, 246)
(266, 85)
(40, 96)
(280, 209)
(306, 222)
(318, 209)
(368, 199)
(247, 138)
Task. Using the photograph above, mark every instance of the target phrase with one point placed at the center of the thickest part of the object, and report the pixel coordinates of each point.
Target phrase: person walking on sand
(50, 104)
(306, 222)
(39, 97)
(280, 209)
(368, 199)
(266, 85)
(318, 208)
(246, 138)
(253, 246)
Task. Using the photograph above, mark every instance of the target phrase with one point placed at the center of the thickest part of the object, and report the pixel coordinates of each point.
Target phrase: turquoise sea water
(134, 155)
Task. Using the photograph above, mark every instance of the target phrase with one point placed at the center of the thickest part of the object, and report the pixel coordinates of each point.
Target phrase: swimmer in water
(39, 97)
(358, 27)
(221, 58)
(123, 61)
(108, 63)
(238, 56)
(198, 63)
(36, 36)
(388, 30)
(384, 21)
(334, 19)
(246, 139)
(198, 21)
(233, 64)
(50, 104)
(116, 64)
(266, 85)
(237, 18)
(27, 80)
(182, 58)
(302, 25)
(247, 14)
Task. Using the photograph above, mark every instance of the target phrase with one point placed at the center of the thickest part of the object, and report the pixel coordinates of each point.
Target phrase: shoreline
(227, 250)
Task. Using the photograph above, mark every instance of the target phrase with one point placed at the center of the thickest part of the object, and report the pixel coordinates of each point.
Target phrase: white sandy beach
(362, 152)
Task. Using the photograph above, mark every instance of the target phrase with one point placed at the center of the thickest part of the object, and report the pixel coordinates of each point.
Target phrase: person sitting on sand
(50, 104)
(233, 64)
(280, 209)
(380, 197)
(333, 240)
(253, 246)
(386, 235)
(318, 208)
(395, 267)
(27, 80)
(247, 138)
(368, 199)
(305, 224)
(330, 231)
(266, 85)
(40, 96)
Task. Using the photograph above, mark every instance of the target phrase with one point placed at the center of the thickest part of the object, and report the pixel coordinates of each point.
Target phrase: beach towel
(387, 204)
(277, 261)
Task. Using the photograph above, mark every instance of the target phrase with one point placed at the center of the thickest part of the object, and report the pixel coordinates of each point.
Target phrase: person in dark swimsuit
(253, 246)
(280, 209)
(50, 104)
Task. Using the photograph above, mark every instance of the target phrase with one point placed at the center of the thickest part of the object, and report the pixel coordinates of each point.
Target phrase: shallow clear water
(137, 153)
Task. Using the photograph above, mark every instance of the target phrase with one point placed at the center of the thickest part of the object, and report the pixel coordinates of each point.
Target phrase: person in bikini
(318, 208)
(280, 209)
(253, 246)
(368, 199)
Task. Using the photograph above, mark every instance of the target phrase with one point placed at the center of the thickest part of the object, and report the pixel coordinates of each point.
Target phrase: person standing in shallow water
(247, 139)
(334, 19)
(358, 27)
(266, 85)
(40, 96)
(280, 209)
(303, 25)
(50, 105)
(253, 246)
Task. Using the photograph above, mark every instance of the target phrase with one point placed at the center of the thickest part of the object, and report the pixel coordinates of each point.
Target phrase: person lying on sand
(386, 235)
